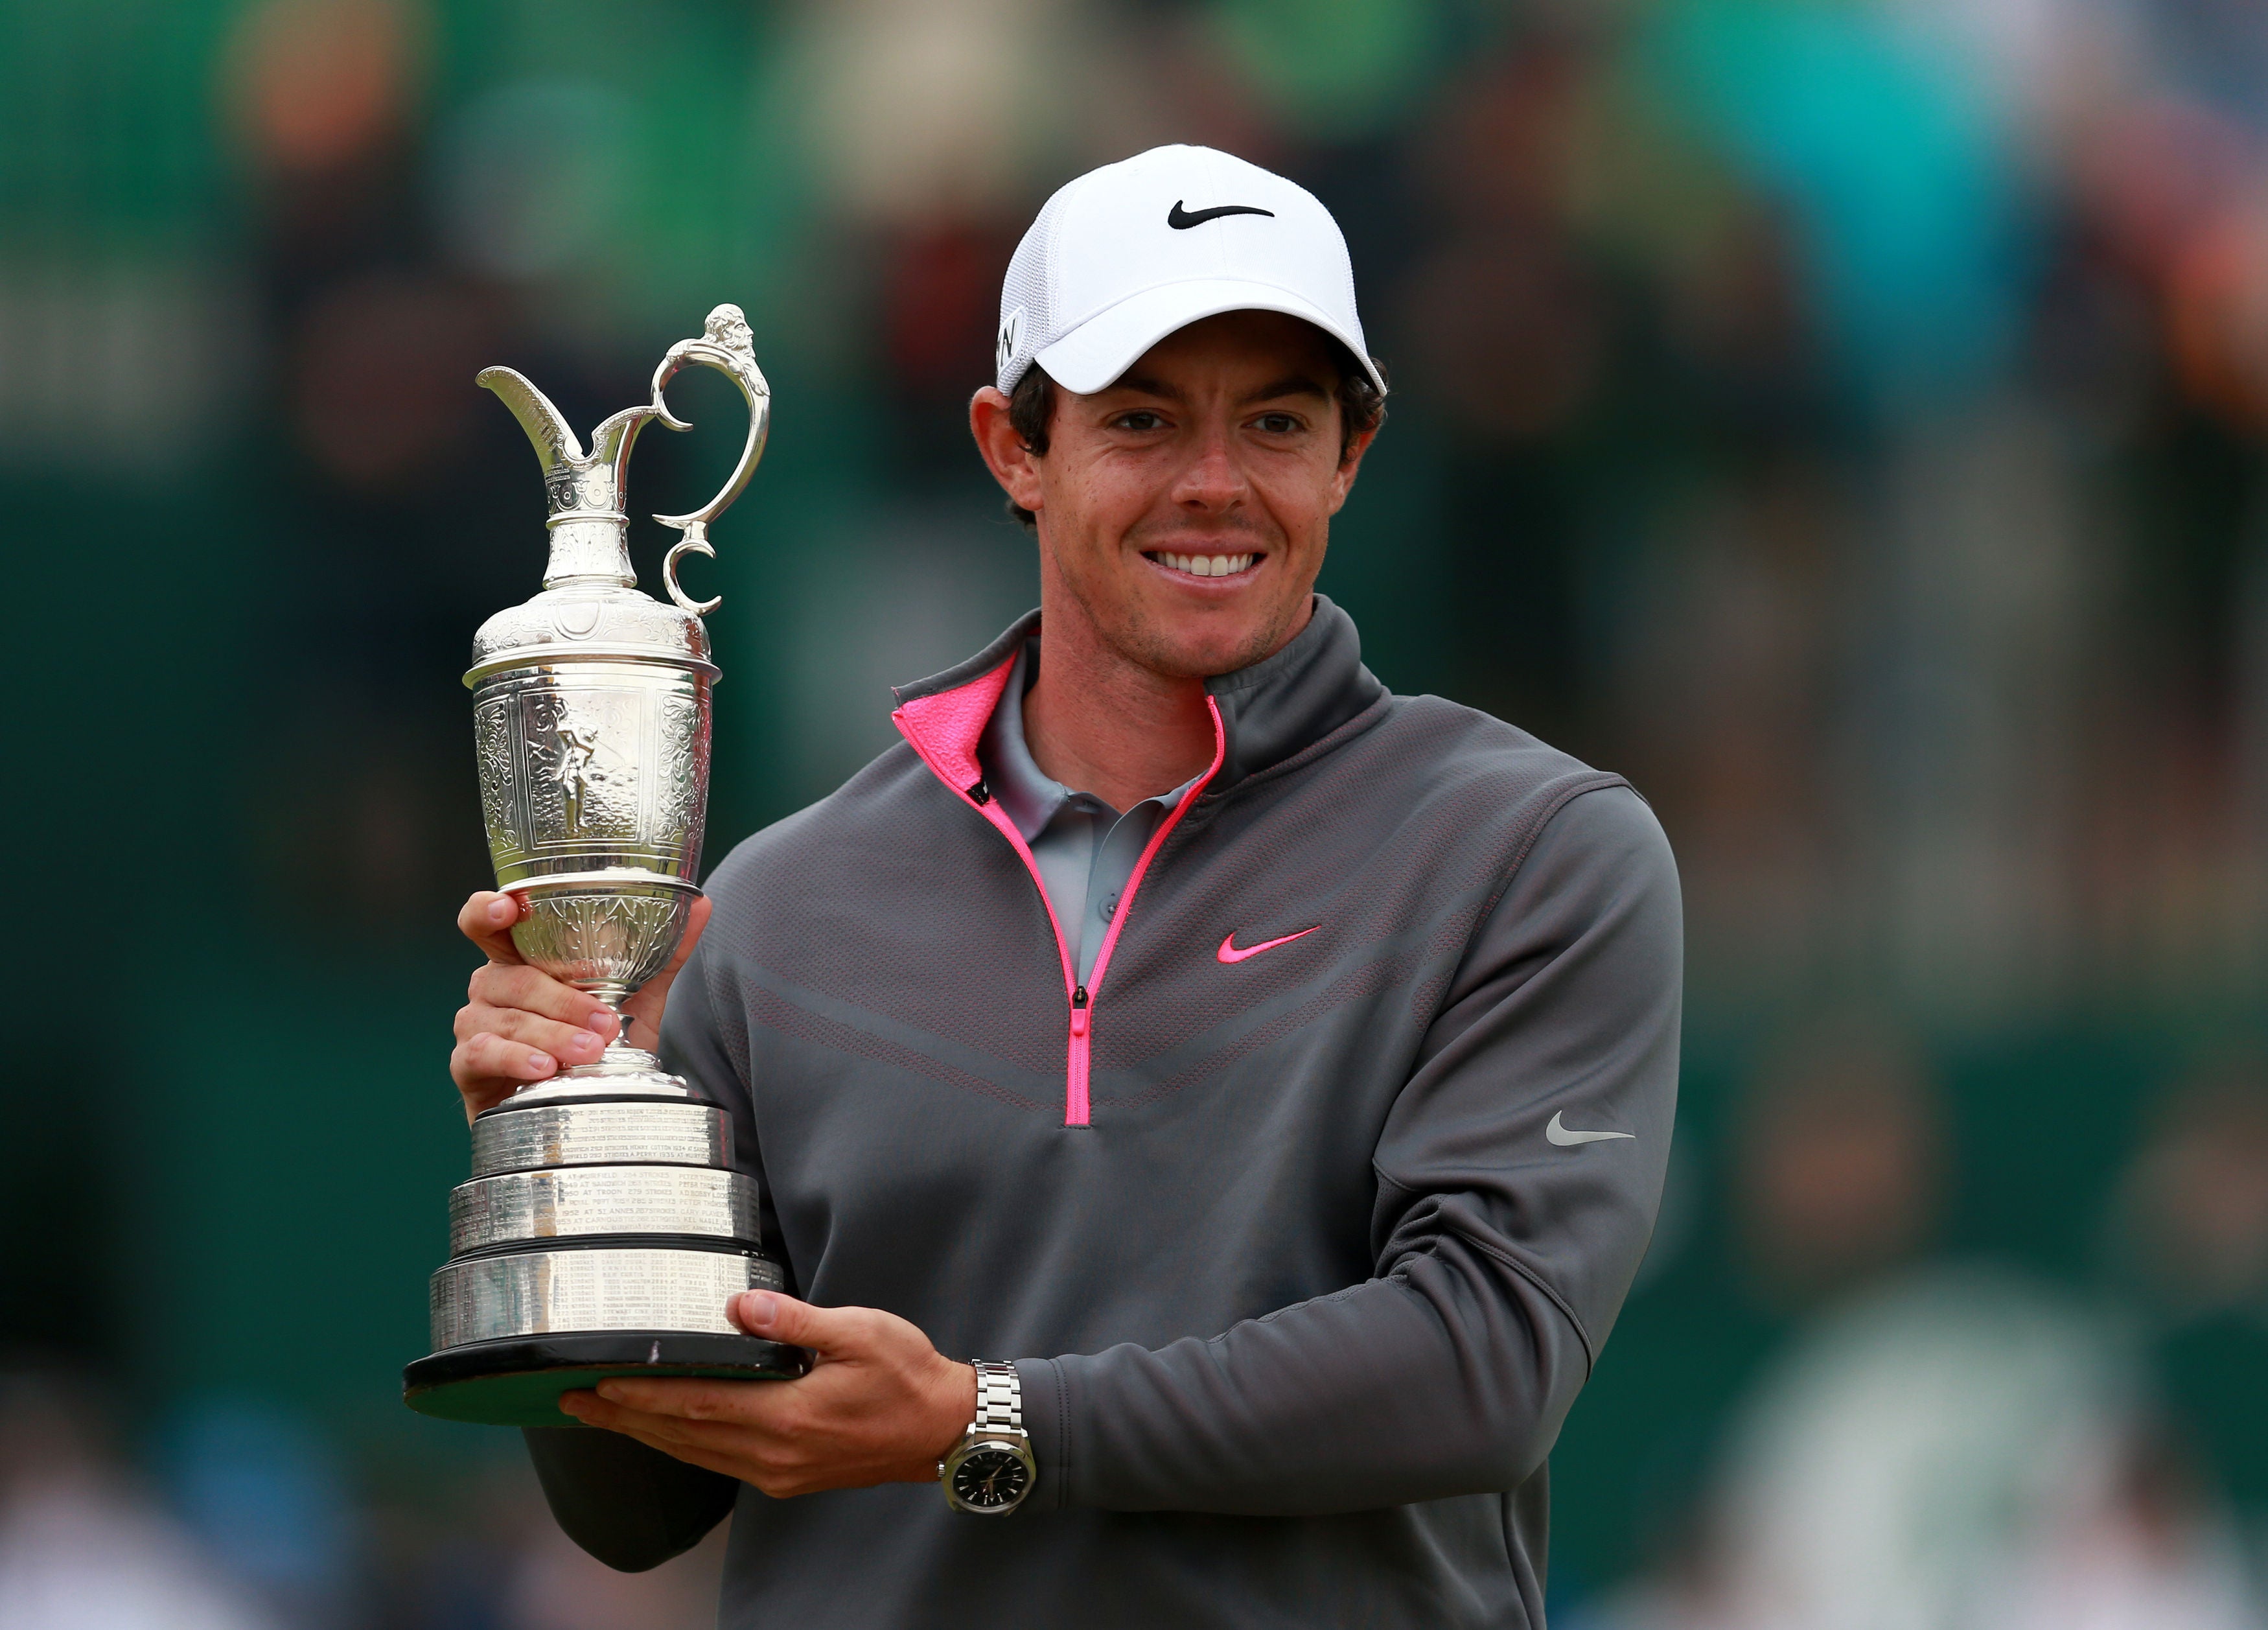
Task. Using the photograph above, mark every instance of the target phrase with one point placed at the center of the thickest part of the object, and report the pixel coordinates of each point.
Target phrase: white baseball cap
(1125, 254)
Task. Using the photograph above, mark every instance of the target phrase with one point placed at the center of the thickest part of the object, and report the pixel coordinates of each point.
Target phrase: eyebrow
(1290, 384)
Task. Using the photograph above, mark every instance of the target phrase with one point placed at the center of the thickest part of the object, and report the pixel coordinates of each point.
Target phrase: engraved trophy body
(603, 1228)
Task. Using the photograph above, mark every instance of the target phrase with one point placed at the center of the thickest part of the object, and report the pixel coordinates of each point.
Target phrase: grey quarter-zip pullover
(1293, 1208)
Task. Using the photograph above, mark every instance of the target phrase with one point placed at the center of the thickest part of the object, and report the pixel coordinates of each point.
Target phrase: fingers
(761, 1432)
(573, 1043)
(881, 1406)
(486, 920)
(668, 1432)
(775, 1435)
(838, 1332)
(675, 1407)
(661, 1414)
(485, 1057)
(521, 1025)
(496, 984)
(501, 1048)
(768, 1461)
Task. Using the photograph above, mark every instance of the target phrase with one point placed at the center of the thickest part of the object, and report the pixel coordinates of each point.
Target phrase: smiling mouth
(1205, 565)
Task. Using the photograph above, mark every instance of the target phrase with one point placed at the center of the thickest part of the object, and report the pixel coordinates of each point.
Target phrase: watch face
(989, 1478)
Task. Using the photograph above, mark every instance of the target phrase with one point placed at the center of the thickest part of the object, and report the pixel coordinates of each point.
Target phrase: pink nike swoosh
(1228, 952)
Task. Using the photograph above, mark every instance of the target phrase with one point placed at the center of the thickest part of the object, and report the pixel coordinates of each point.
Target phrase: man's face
(1185, 509)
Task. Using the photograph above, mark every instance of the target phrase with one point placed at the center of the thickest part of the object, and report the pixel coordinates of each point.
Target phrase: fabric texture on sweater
(1298, 1312)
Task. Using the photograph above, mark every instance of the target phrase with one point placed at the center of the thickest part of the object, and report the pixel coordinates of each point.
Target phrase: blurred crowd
(1922, 1434)
(242, 1516)
(1844, 417)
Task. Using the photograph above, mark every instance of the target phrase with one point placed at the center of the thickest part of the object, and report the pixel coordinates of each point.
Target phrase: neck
(1100, 722)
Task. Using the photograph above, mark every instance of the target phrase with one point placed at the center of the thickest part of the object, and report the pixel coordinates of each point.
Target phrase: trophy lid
(587, 623)
(590, 608)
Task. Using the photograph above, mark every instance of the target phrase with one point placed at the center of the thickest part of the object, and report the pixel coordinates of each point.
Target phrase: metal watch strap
(1000, 1397)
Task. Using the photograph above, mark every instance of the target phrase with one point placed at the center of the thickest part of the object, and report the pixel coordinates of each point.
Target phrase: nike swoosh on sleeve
(1228, 952)
(1558, 1132)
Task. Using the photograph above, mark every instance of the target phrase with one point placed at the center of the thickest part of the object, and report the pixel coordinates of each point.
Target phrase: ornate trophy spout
(603, 1228)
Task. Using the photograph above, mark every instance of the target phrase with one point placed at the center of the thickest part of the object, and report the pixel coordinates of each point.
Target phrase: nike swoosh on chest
(1229, 953)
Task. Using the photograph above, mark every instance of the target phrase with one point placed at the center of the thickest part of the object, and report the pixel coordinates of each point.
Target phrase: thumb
(778, 1317)
(645, 1009)
(695, 920)
(487, 920)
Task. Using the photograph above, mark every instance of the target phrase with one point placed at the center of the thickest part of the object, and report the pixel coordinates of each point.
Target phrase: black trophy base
(517, 1382)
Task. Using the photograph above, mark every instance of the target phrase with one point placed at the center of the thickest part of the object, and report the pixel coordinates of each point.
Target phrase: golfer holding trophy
(1164, 1143)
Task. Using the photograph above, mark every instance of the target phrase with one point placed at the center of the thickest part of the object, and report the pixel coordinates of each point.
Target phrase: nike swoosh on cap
(1228, 952)
(1558, 1132)
(1181, 220)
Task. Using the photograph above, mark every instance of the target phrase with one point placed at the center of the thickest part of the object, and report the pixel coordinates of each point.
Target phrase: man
(1272, 1075)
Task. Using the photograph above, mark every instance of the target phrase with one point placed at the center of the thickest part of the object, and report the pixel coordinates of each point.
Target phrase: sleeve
(630, 1505)
(704, 1040)
(1518, 1173)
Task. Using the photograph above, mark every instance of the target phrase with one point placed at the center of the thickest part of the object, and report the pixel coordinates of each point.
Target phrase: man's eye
(1276, 423)
(1141, 418)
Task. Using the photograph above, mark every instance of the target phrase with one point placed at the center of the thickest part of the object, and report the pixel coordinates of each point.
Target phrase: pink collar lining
(945, 728)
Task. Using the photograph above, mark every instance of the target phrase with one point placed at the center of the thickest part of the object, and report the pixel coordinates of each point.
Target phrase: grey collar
(1027, 794)
(1281, 706)
(1272, 711)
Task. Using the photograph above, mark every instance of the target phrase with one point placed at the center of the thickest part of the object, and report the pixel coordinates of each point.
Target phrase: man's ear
(1349, 466)
(1014, 465)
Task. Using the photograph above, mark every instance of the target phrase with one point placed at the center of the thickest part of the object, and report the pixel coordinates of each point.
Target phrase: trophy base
(600, 1131)
(517, 1382)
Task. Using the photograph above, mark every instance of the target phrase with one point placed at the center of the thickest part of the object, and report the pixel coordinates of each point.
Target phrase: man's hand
(521, 1025)
(880, 1406)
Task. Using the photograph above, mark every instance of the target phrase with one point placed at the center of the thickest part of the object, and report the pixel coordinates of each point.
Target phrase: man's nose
(1213, 480)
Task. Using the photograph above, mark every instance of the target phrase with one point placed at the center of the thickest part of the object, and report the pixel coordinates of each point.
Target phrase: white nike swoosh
(1558, 1132)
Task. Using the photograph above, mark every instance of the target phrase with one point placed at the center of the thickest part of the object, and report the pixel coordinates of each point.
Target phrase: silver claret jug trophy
(603, 1228)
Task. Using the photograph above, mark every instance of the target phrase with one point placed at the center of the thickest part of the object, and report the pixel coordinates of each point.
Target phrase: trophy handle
(723, 344)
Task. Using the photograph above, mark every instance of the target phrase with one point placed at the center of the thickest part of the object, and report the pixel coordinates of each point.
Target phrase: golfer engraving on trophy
(602, 1230)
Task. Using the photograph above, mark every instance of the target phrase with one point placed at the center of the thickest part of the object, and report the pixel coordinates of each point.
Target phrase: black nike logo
(1181, 220)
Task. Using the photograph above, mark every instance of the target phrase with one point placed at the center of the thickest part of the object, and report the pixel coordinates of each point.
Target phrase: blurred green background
(1843, 416)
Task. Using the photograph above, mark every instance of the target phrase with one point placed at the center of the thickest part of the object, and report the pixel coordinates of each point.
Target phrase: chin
(1186, 647)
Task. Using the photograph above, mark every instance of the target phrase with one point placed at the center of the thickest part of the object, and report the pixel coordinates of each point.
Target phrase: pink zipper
(1078, 1049)
(1082, 1017)
(1082, 1001)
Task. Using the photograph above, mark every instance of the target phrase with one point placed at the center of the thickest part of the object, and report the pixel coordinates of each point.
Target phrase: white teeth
(1207, 565)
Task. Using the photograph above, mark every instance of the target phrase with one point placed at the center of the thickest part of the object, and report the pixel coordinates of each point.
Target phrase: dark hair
(1032, 410)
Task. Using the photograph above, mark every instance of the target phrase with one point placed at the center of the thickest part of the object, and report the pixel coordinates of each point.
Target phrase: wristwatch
(991, 1469)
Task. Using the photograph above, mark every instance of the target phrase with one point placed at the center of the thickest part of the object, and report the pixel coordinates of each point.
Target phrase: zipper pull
(1079, 1011)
